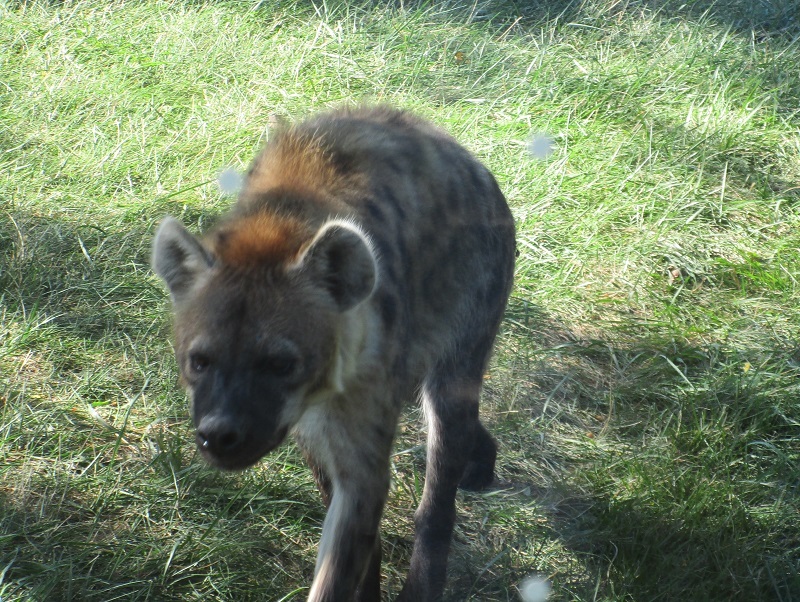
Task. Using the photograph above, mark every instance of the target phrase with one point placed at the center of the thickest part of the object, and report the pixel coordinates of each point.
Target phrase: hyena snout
(227, 442)
(219, 436)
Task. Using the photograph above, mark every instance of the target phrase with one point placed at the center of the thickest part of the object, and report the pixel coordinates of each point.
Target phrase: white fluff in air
(541, 146)
(230, 181)
(534, 589)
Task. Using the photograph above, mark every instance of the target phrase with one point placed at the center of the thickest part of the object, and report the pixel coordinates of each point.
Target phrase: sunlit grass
(644, 392)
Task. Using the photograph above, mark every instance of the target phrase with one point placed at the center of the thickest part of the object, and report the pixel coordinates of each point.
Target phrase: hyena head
(259, 306)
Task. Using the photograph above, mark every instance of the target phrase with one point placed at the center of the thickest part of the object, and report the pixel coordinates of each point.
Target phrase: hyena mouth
(229, 452)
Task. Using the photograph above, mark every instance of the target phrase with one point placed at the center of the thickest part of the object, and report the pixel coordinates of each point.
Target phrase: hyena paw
(477, 476)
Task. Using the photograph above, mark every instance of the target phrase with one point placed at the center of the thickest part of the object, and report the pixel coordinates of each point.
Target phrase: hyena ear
(178, 257)
(342, 261)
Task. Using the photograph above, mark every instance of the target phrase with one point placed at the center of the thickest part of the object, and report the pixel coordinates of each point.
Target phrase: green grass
(645, 388)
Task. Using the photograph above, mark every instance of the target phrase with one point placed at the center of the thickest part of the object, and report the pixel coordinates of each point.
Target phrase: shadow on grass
(126, 531)
(761, 19)
(678, 476)
(678, 467)
(84, 324)
(88, 277)
(654, 557)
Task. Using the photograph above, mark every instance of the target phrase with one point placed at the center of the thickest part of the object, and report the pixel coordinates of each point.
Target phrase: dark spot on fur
(402, 251)
(222, 238)
(395, 165)
(384, 249)
(374, 211)
(387, 305)
(440, 214)
(384, 431)
(390, 200)
(342, 162)
(478, 183)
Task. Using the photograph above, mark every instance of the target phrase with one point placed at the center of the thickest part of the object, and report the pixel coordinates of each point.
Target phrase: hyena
(367, 261)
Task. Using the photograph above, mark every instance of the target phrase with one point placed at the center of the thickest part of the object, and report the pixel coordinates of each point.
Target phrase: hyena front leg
(351, 464)
(349, 539)
(370, 588)
(451, 409)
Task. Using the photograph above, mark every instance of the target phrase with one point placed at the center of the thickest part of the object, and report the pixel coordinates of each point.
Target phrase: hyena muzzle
(367, 261)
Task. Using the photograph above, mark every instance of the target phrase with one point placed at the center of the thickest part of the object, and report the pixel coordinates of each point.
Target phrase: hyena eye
(199, 362)
(277, 365)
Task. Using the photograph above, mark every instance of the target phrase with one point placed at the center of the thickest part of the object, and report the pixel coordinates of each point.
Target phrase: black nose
(219, 435)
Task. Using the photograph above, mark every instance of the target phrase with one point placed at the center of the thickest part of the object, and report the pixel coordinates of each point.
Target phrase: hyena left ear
(341, 260)
(179, 258)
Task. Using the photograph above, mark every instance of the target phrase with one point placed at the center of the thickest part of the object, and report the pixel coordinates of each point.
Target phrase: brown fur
(297, 161)
(260, 239)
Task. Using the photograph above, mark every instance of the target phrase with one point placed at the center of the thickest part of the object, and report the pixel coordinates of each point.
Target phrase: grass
(645, 387)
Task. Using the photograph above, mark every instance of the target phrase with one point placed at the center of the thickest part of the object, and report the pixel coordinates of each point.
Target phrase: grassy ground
(645, 390)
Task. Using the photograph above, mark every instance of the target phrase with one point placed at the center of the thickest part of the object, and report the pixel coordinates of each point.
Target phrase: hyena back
(368, 260)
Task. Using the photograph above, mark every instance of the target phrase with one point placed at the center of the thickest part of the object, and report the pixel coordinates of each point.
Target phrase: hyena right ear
(342, 262)
(178, 257)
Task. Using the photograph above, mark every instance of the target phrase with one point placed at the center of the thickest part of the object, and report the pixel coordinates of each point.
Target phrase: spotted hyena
(367, 262)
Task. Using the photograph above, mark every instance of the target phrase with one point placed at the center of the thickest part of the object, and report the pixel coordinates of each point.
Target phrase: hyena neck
(357, 349)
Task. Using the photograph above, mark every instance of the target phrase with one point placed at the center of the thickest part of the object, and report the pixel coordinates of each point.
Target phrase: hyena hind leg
(451, 408)
(479, 472)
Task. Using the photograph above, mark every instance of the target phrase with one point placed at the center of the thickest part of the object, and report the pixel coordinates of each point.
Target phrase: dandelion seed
(534, 589)
(541, 146)
(230, 181)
